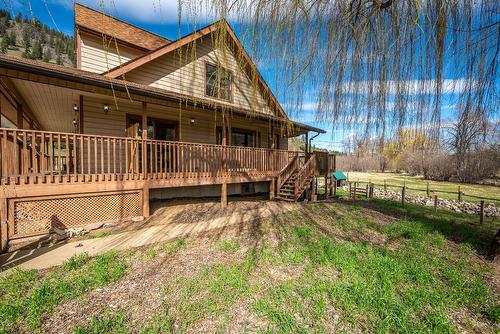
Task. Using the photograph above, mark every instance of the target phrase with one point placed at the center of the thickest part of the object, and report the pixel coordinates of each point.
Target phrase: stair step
(285, 199)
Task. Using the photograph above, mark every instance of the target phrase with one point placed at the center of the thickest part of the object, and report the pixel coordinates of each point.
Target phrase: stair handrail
(304, 174)
(287, 171)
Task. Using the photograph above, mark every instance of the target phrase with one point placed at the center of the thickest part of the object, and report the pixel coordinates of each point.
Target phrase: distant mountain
(30, 38)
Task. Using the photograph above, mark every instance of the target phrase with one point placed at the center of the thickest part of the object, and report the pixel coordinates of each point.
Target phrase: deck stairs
(295, 178)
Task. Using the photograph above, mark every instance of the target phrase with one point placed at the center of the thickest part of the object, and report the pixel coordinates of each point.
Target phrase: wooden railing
(288, 170)
(304, 175)
(32, 157)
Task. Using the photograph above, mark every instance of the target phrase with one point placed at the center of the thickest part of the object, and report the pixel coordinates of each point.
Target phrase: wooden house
(141, 117)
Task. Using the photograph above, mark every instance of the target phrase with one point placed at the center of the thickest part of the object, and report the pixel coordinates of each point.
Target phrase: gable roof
(234, 42)
(37, 69)
(98, 22)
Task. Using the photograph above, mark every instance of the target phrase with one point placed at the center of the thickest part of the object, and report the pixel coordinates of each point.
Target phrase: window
(218, 82)
(243, 138)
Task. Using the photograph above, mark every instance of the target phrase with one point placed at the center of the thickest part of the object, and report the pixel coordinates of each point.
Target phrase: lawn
(365, 266)
(418, 182)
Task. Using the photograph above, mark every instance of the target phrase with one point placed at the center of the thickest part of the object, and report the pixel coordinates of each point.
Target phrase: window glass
(218, 82)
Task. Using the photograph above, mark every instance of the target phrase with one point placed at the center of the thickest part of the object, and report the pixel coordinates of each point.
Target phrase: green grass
(366, 266)
(26, 296)
(230, 246)
(109, 322)
(415, 286)
(418, 182)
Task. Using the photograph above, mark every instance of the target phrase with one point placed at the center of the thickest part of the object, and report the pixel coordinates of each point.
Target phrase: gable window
(217, 82)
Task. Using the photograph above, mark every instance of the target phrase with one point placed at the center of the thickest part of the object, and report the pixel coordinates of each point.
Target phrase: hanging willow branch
(383, 65)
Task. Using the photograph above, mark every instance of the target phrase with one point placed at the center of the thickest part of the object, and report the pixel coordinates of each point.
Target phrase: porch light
(74, 122)
(75, 107)
(106, 108)
(192, 121)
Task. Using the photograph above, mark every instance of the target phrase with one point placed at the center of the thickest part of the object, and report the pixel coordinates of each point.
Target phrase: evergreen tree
(12, 38)
(47, 55)
(37, 52)
(4, 44)
(59, 58)
(26, 36)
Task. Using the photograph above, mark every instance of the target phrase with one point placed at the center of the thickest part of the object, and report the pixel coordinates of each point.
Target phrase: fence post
(367, 189)
(481, 212)
(428, 191)
(435, 202)
(355, 188)
(334, 186)
(385, 186)
(403, 196)
(459, 194)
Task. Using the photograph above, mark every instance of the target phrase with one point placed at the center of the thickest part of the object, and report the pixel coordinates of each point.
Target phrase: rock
(109, 225)
(91, 227)
(138, 218)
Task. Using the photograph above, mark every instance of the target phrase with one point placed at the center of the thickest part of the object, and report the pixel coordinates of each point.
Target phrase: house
(141, 117)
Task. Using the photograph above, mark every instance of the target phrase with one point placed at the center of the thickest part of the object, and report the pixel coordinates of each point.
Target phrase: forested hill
(30, 38)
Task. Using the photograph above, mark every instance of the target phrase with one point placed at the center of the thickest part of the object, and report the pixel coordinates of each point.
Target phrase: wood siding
(113, 123)
(186, 74)
(96, 57)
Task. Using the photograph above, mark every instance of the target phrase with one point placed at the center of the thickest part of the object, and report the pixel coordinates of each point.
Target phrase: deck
(54, 179)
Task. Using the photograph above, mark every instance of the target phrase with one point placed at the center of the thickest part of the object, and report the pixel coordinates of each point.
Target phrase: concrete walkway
(163, 228)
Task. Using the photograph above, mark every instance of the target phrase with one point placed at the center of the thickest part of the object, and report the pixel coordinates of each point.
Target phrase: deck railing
(32, 157)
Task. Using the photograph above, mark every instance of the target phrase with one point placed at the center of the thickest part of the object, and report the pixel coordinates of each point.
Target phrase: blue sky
(161, 17)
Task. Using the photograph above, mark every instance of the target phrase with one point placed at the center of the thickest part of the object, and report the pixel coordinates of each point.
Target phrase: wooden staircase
(294, 179)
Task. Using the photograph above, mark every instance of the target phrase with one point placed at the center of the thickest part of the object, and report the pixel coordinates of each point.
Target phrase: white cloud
(449, 86)
(151, 11)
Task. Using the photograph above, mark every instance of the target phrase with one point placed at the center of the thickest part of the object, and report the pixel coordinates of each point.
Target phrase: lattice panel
(39, 216)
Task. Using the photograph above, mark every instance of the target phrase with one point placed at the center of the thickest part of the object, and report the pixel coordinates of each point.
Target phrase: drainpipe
(310, 140)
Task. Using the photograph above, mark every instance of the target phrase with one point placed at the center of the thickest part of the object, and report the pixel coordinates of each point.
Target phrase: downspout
(310, 140)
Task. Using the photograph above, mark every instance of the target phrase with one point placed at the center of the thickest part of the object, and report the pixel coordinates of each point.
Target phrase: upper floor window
(217, 82)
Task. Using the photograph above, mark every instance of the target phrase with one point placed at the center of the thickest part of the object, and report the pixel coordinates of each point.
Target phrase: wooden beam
(20, 116)
(223, 195)
(80, 117)
(4, 236)
(145, 202)
(144, 120)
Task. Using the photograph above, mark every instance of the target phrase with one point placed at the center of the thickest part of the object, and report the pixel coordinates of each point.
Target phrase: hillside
(30, 38)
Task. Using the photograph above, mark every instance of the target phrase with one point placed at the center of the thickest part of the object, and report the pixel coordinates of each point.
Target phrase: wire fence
(368, 191)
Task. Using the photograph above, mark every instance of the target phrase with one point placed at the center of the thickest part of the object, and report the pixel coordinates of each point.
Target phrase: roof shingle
(99, 22)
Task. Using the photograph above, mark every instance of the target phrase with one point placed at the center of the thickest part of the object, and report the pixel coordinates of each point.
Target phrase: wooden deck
(46, 158)
(64, 180)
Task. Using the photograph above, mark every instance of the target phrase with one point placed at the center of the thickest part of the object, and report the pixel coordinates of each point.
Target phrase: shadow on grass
(454, 226)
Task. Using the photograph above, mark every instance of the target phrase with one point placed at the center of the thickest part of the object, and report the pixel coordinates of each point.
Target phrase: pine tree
(47, 55)
(12, 38)
(59, 58)
(4, 44)
(37, 52)
(26, 36)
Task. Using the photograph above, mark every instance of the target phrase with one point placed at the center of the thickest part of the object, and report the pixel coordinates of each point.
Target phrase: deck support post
(145, 201)
(314, 196)
(223, 195)
(272, 189)
(4, 239)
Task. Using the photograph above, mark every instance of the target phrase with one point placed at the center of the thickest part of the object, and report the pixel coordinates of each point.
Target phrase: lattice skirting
(32, 216)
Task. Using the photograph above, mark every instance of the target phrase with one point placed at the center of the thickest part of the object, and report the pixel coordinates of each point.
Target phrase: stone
(138, 218)
(91, 227)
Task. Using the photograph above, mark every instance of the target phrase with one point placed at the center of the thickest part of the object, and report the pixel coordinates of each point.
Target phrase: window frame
(231, 88)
